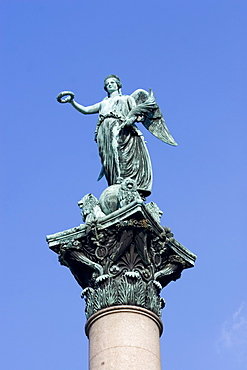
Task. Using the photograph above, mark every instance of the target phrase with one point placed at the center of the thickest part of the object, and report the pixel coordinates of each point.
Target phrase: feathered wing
(153, 118)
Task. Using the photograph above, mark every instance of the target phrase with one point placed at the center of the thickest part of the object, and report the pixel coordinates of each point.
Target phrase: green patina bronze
(121, 145)
(122, 255)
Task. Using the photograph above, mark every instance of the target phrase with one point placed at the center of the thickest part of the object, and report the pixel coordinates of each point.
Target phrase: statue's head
(114, 77)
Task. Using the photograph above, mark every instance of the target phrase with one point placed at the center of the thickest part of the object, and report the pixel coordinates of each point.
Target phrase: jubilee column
(122, 261)
(121, 255)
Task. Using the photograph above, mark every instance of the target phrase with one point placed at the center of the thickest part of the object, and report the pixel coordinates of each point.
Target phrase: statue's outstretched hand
(67, 95)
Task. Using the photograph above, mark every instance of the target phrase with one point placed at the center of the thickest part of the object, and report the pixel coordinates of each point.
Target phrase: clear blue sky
(193, 54)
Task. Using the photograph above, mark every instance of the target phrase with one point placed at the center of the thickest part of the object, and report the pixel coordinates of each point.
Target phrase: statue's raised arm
(121, 145)
(68, 97)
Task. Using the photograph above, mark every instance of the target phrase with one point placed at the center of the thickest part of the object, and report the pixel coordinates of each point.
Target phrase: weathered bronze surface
(125, 257)
(122, 255)
(121, 145)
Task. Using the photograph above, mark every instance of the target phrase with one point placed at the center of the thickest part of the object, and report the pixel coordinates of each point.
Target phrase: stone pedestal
(124, 338)
(122, 257)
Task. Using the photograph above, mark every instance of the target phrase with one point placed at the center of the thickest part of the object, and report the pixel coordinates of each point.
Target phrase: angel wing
(153, 118)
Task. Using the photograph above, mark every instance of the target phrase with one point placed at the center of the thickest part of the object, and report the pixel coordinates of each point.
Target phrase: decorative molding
(123, 258)
(120, 309)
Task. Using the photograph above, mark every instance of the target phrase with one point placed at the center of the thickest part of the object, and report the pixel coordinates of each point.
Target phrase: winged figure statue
(121, 145)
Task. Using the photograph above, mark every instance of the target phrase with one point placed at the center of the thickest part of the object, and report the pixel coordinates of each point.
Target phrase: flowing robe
(123, 152)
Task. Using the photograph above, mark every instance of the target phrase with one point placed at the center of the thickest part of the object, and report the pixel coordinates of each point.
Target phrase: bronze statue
(122, 148)
(122, 255)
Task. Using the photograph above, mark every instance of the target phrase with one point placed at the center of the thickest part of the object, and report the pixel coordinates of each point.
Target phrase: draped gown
(123, 152)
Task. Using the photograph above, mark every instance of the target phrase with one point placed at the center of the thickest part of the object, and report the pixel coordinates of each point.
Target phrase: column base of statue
(122, 257)
(124, 338)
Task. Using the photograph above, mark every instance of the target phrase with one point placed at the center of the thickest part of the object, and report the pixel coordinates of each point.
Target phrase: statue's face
(111, 85)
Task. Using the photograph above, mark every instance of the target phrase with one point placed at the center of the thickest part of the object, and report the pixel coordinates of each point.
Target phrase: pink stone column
(124, 338)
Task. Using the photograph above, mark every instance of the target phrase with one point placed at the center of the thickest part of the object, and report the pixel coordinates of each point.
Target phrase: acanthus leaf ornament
(125, 257)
